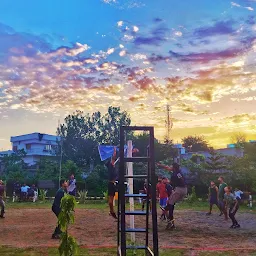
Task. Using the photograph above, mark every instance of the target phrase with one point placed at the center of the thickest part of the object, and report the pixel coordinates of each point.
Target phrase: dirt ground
(33, 228)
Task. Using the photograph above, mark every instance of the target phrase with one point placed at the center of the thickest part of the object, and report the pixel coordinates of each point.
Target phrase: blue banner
(106, 151)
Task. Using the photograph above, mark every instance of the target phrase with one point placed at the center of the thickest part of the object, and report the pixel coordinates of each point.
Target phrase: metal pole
(130, 182)
(122, 192)
(153, 191)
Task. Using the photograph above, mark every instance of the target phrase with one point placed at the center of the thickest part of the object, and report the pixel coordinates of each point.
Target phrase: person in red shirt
(162, 195)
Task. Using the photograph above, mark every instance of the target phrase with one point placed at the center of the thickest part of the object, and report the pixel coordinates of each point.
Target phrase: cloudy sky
(199, 56)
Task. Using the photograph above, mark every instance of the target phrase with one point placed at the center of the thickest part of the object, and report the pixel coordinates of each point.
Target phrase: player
(179, 190)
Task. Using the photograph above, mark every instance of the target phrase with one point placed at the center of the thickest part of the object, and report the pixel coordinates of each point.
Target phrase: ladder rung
(139, 230)
(137, 247)
(138, 128)
(136, 176)
(135, 195)
(136, 159)
(136, 212)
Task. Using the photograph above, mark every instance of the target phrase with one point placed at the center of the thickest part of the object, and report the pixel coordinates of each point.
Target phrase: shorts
(177, 195)
(214, 201)
(111, 189)
(163, 202)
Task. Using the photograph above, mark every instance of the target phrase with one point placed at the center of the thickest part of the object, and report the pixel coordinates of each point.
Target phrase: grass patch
(101, 204)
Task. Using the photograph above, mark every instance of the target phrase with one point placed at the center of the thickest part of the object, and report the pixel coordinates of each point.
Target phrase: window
(15, 148)
(28, 146)
(48, 148)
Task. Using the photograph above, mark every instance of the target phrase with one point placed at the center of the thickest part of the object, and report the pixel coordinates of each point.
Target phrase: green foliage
(195, 143)
(197, 158)
(70, 167)
(48, 169)
(105, 194)
(81, 133)
(192, 198)
(42, 195)
(97, 181)
(82, 196)
(14, 166)
(215, 162)
(162, 150)
(68, 245)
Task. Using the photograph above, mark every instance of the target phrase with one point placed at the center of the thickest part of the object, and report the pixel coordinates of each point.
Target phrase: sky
(198, 56)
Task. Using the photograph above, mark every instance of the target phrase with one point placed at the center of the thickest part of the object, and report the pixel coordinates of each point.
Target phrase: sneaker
(162, 208)
(170, 224)
(113, 215)
(54, 236)
(237, 226)
(208, 213)
(233, 226)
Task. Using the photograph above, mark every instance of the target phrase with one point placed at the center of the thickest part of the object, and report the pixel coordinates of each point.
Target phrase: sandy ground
(33, 228)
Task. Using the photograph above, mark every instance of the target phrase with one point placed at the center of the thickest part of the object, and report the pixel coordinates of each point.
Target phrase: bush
(192, 198)
(82, 196)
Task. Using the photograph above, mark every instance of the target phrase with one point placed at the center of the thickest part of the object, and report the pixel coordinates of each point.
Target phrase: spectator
(32, 192)
(24, 191)
(72, 185)
(16, 190)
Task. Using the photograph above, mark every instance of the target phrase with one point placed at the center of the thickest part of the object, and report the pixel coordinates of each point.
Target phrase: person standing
(112, 177)
(213, 197)
(24, 191)
(2, 203)
(231, 204)
(56, 206)
(221, 197)
(162, 195)
(72, 185)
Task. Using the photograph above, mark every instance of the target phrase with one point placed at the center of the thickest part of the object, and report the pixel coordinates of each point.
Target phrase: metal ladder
(151, 186)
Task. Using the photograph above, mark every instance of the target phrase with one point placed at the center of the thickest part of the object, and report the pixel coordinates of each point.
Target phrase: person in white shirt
(72, 185)
(24, 191)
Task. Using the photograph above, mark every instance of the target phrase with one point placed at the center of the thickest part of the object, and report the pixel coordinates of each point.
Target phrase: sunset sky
(199, 56)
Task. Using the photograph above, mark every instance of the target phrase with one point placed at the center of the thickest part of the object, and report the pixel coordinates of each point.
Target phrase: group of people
(173, 191)
(24, 192)
(225, 199)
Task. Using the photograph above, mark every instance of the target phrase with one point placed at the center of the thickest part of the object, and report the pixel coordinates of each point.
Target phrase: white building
(35, 145)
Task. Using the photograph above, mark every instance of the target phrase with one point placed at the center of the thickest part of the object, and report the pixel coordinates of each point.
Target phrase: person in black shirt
(56, 206)
(112, 176)
(178, 193)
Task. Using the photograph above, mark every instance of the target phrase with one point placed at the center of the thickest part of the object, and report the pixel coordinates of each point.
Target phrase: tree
(195, 143)
(214, 162)
(48, 169)
(14, 166)
(239, 139)
(81, 133)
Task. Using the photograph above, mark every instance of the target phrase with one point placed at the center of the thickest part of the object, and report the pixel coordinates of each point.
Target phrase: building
(35, 145)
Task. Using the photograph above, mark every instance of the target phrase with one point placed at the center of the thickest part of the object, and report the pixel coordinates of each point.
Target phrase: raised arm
(113, 159)
(166, 167)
